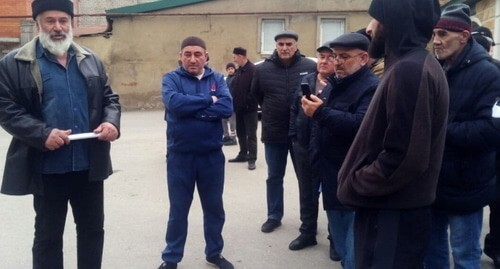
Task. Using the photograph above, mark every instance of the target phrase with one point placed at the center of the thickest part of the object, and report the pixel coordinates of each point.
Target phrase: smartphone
(306, 91)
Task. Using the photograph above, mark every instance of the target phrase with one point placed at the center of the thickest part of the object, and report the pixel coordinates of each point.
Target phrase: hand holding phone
(306, 91)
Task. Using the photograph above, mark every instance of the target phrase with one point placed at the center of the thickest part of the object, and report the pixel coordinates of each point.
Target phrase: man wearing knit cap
(54, 92)
(245, 107)
(390, 172)
(196, 99)
(274, 84)
(334, 128)
(467, 179)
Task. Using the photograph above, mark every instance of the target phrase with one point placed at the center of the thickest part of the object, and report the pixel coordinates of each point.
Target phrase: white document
(495, 112)
(73, 137)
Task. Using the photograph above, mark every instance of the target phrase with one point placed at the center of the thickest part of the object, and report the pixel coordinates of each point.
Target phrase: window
(269, 29)
(330, 29)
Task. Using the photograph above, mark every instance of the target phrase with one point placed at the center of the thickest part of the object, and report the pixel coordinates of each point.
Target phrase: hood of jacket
(408, 24)
(471, 54)
(183, 73)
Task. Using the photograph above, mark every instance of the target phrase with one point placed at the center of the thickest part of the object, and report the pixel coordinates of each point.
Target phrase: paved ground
(136, 207)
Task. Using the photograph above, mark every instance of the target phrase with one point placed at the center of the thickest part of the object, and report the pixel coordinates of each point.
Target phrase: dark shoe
(270, 225)
(494, 255)
(231, 141)
(168, 265)
(302, 241)
(219, 262)
(334, 256)
(226, 139)
(251, 165)
(238, 159)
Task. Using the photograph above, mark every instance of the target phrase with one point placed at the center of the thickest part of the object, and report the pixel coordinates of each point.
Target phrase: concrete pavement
(136, 207)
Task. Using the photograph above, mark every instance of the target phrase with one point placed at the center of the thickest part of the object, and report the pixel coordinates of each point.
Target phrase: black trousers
(385, 239)
(246, 130)
(86, 199)
(308, 195)
(492, 239)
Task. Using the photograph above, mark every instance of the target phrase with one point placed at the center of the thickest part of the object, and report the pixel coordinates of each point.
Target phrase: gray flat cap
(287, 33)
(351, 40)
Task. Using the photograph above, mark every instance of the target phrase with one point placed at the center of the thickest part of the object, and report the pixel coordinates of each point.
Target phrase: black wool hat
(240, 51)
(228, 65)
(455, 18)
(193, 41)
(484, 32)
(351, 40)
(287, 33)
(40, 6)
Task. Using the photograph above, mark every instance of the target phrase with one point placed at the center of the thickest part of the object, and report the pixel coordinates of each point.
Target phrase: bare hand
(310, 106)
(107, 132)
(57, 138)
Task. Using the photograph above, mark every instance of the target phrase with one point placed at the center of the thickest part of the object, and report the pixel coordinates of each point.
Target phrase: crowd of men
(405, 159)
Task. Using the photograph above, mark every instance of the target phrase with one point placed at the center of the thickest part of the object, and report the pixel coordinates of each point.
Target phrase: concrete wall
(143, 48)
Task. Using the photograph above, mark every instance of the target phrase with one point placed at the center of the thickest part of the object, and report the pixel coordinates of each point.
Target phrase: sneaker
(270, 225)
(251, 165)
(168, 265)
(219, 262)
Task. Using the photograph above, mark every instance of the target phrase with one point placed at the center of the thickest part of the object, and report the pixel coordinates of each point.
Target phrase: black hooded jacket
(395, 159)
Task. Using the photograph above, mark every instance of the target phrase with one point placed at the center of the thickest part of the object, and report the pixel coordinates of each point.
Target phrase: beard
(377, 46)
(59, 47)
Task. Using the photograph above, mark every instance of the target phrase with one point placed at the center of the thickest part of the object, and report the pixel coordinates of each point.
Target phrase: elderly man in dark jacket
(391, 170)
(337, 114)
(300, 134)
(51, 91)
(274, 84)
(467, 179)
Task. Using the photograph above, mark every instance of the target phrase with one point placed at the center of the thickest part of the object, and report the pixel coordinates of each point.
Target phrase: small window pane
(331, 29)
(269, 29)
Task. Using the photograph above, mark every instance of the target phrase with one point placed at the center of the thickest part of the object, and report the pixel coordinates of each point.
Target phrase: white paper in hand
(73, 137)
(495, 112)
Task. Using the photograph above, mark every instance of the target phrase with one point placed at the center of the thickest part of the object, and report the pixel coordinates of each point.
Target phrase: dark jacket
(395, 159)
(467, 179)
(193, 119)
(274, 85)
(243, 99)
(335, 124)
(20, 115)
(299, 129)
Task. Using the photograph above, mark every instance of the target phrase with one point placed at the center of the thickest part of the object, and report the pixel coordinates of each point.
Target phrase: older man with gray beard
(54, 94)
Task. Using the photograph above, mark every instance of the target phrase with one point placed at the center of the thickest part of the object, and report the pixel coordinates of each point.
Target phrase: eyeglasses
(288, 44)
(341, 58)
(329, 58)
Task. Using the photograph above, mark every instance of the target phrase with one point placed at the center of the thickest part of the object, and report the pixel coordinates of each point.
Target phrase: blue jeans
(276, 158)
(341, 226)
(465, 232)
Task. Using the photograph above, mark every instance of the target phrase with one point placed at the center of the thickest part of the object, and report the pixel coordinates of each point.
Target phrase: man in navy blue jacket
(467, 179)
(196, 99)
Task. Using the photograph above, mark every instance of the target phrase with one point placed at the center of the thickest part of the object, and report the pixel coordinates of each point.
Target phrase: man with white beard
(62, 114)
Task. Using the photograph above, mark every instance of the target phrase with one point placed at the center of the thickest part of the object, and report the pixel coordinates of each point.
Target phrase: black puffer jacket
(273, 86)
(21, 116)
(467, 178)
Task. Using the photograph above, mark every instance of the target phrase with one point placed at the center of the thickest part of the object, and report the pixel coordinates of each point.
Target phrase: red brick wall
(11, 27)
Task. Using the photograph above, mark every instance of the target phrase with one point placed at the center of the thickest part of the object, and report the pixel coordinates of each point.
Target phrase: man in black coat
(52, 91)
(245, 108)
(274, 84)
